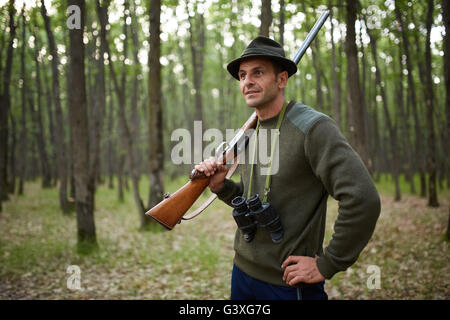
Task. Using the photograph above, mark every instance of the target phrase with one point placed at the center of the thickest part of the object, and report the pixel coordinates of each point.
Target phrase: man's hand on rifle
(217, 171)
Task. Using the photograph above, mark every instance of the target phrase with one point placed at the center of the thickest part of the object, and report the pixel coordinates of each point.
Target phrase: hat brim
(286, 64)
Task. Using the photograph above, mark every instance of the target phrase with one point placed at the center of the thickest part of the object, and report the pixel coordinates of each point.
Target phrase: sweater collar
(272, 122)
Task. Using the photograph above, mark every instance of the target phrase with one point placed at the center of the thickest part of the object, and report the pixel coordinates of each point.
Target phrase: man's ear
(282, 79)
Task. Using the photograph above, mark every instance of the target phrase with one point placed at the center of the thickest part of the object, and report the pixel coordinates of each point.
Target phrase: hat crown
(264, 45)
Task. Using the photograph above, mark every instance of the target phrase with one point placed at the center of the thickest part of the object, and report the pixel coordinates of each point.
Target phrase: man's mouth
(251, 92)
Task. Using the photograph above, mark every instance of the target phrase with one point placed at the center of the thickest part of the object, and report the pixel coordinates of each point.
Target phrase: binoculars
(251, 213)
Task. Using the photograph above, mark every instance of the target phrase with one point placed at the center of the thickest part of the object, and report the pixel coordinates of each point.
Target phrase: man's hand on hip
(301, 269)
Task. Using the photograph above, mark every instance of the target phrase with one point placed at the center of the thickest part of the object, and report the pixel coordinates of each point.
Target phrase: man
(315, 160)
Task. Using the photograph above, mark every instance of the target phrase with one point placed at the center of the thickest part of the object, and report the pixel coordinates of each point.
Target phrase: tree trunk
(412, 92)
(446, 19)
(38, 128)
(109, 144)
(23, 132)
(134, 123)
(392, 131)
(51, 128)
(5, 102)
(448, 223)
(282, 21)
(127, 141)
(156, 147)
(60, 144)
(375, 145)
(336, 83)
(266, 17)
(97, 111)
(407, 145)
(84, 197)
(363, 93)
(12, 155)
(429, 102)
(197, 44)
(356, 128)
(186, 101)
(316, 64)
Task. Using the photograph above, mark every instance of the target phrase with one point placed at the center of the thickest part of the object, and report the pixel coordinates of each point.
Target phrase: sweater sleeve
(230, 190)
(347, 180)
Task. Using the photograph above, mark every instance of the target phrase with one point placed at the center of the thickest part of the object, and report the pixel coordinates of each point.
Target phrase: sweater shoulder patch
(303, 117)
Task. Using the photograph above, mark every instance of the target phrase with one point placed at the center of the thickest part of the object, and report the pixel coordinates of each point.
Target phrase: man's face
(258, 83)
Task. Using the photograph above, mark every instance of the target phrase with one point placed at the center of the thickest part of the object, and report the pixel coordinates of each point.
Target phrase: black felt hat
(263, 47)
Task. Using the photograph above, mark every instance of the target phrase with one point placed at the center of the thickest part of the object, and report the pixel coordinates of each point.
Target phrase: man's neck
(271, 110)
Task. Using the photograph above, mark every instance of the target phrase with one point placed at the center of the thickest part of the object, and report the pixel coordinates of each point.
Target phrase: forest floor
(38, 244)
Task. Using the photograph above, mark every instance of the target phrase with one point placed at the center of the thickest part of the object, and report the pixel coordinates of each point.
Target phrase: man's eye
(259, 73)
(242, 76)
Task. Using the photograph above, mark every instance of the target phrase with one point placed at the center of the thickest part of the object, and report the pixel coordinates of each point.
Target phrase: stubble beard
(266, 98)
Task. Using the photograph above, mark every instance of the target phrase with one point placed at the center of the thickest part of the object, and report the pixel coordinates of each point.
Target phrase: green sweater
(315, 160)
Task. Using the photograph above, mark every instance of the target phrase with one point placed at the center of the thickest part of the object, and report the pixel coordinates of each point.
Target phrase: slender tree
(408, 165)
(23, 95)
(336, 93)
(429, 102)
(38, 127)
(155, 111)
(446, 19)
(5, 102)
(355, 126)
(266, 17)
(134, 121)
(119, 89)
(60, 136)
(12, 154)
(109, 144)
(413, 99)
(282, 22)
(197, 44)
(392, 130)
(84, 182)
(98, 107)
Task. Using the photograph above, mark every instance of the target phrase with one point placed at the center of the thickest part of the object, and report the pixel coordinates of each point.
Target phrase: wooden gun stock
(172, 209)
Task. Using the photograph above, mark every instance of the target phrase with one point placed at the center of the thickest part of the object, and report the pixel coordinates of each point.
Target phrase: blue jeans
(244, 287)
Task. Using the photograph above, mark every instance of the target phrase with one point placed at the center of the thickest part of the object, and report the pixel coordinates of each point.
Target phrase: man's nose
(248, 80)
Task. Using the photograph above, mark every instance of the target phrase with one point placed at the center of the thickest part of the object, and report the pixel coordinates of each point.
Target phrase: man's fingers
(295, 280)
(289, 269)
(208, 166)
(290, 260)
(290, 275)
(299, 276)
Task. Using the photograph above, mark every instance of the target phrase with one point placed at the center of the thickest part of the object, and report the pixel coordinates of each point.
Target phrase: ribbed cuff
(326, 267)
(228, 191)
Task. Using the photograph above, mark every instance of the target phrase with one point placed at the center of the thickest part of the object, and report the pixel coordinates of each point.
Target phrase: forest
(91, 93)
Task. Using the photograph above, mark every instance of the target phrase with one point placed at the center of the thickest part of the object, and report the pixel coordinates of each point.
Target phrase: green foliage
(229, 27)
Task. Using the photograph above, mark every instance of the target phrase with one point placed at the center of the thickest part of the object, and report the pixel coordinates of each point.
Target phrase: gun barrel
(310, 37)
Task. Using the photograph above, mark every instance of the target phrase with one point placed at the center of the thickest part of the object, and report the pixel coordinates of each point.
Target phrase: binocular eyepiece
(251, 213)
(241, 215)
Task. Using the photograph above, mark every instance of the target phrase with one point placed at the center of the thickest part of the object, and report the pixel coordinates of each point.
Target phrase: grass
(38, 243)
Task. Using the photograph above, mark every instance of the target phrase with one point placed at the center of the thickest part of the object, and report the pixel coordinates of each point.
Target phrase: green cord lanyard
(274, 141)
